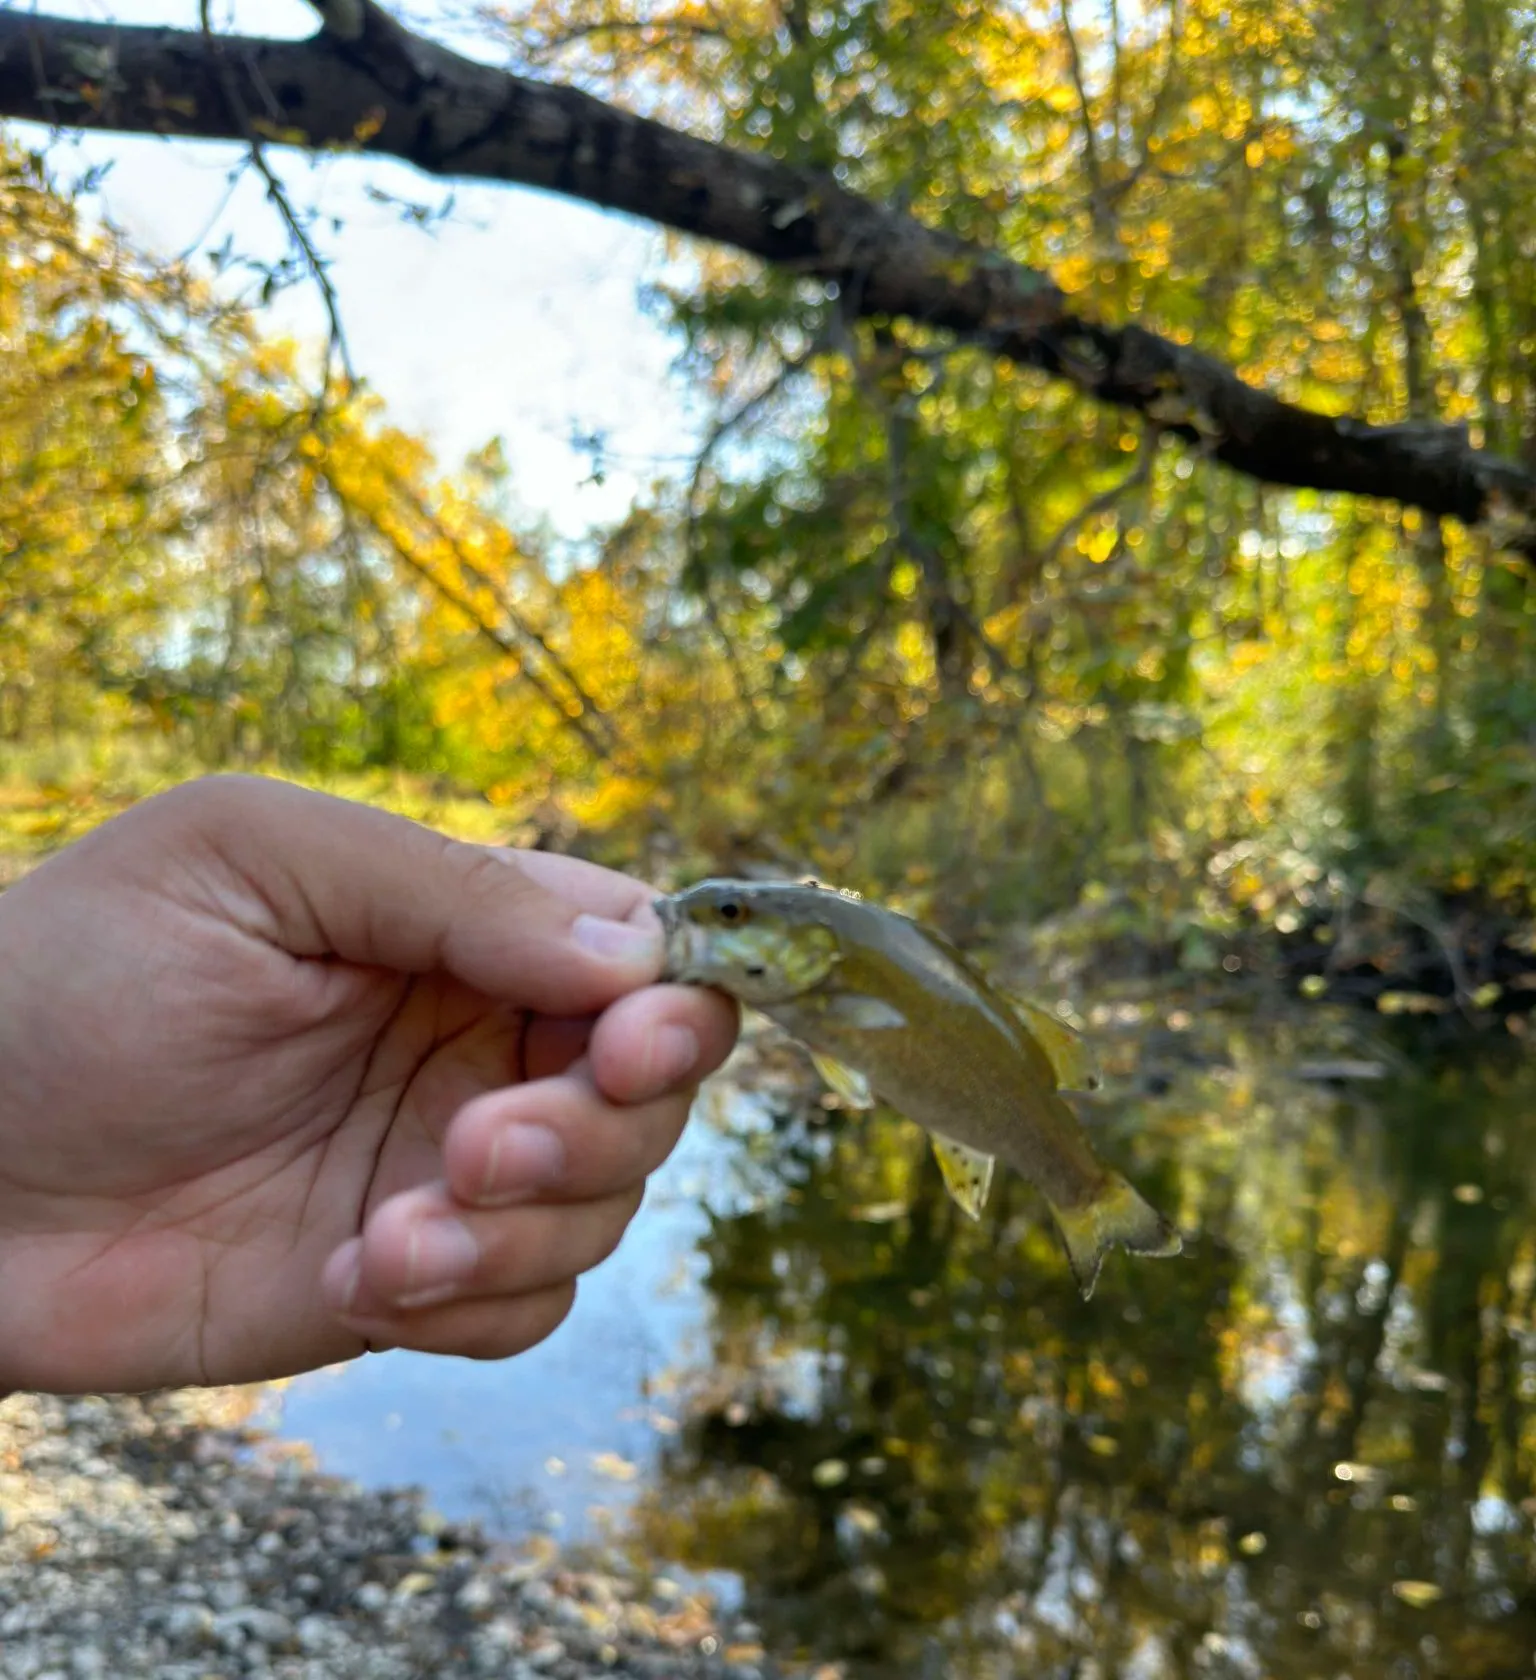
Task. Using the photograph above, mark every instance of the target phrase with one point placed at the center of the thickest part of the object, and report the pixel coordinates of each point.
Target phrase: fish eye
(731, 911)
(755, 971)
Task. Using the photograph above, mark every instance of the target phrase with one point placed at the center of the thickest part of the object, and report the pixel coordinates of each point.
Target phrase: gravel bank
(146, 1537)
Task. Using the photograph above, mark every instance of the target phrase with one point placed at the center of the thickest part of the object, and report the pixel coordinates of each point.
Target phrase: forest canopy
(1117, 491)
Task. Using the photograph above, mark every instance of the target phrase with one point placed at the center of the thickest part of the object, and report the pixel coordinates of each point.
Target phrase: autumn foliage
(921, 620)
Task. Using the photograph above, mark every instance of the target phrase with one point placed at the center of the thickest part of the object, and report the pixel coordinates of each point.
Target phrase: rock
(539, 1596)
(268, 1626)
(229, 1631)
(189, 1625)
(476, 1597)
(319, 1633)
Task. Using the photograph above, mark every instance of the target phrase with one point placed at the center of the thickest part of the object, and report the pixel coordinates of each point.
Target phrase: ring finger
(422, 1248)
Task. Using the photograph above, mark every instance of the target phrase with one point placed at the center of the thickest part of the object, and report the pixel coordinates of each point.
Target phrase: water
(1305, 1449)
(557, 1439)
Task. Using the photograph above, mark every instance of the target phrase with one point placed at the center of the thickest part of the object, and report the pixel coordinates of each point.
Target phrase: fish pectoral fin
(1076, 1068)
(858, 1009)
(847, 1082)
(967, 1173)
(1117, 1214)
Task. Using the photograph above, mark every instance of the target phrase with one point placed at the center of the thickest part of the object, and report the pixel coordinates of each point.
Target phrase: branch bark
(364, 83)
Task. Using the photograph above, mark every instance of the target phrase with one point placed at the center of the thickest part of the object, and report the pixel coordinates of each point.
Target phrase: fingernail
(440, 1255)
(343, 1274)
(523, 1159)
(616, 941)
(674, 1054)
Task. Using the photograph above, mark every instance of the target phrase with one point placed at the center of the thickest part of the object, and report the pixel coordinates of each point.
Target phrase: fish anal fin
(1074, 1062)
(847, 1082)
(1117, 1214)
(967, 1174)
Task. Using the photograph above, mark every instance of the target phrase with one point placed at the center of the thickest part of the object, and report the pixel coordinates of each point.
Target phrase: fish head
(761, 941)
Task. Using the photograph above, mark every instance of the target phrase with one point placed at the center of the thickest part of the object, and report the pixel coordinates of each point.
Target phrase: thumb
(326, 877)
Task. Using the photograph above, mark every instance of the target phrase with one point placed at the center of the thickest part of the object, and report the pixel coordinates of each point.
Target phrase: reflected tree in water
(1304, 1449)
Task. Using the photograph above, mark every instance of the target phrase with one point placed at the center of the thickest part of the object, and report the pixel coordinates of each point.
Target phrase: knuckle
(636, 1150)
(611, 1234)
(212, 801)
(487, 874)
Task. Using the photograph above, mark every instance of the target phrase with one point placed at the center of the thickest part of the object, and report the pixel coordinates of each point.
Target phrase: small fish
(891, 1009)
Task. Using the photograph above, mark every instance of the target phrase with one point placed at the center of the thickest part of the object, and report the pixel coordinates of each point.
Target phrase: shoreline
(162, 1536)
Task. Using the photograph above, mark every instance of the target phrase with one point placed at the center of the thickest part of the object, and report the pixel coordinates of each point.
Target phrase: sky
(518, 318)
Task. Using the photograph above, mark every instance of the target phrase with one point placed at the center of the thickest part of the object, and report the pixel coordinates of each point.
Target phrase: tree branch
(366, 84)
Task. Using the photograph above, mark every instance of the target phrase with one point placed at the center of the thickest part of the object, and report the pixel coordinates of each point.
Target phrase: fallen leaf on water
(1412, 1003)
(1419, 1594)
(879, 1213)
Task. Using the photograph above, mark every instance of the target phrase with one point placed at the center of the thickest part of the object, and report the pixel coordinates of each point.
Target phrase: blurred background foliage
(921, 621)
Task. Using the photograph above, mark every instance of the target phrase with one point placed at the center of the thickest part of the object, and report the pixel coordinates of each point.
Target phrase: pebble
(476, 1596)
(142, 1536)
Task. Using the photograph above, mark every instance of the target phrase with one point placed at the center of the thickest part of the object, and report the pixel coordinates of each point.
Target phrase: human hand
(287, 1078)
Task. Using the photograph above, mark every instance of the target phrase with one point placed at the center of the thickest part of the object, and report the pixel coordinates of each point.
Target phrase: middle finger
(421, 1248)
(556, 1139)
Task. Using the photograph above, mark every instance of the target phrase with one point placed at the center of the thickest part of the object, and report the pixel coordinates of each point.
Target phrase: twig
(722, 429)
(659, 28)
(498, 638)
(277, 195)
(590, 713)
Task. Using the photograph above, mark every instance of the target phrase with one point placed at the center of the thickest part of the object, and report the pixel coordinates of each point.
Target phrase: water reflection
(1306, 1448)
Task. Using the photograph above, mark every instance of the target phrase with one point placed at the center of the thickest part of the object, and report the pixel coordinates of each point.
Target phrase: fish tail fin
(1117, 1214)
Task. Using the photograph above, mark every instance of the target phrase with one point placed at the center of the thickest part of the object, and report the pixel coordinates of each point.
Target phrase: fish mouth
(684, 944)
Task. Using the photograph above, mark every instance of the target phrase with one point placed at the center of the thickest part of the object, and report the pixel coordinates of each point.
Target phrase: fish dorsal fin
(967, 1173)
(1076, 1069)
(1068, 1054)
(847, 1082)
